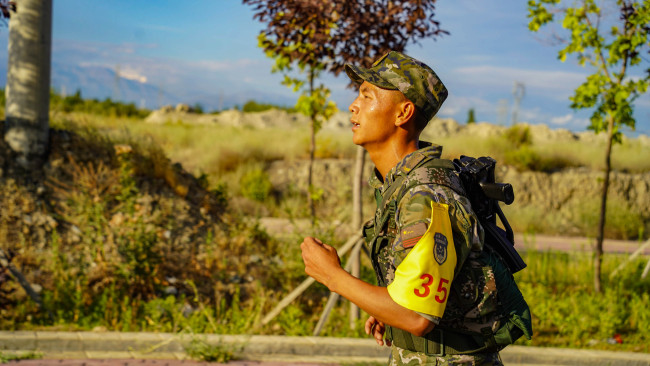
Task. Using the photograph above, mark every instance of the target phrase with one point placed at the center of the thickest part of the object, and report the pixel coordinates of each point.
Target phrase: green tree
(611, 47)
(471, 118)
(322, 36)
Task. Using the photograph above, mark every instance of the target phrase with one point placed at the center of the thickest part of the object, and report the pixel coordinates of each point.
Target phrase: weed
(200, 350)
(7, 357)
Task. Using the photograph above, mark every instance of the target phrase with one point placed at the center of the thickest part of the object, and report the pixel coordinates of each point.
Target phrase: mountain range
(97, 82)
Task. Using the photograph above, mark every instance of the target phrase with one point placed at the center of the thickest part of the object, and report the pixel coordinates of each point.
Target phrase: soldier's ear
(406, 112)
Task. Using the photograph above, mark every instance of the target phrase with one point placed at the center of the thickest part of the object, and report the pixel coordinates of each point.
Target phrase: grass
(10, 356)
(566, 311)
(628, 157)
(208, 149)
(200, 350)
(557, 286)
(580, 218)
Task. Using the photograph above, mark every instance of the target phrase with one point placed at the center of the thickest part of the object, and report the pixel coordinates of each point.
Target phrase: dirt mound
(105, 216)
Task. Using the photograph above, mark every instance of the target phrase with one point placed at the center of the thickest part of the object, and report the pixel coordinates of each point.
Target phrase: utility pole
(116, 85)
(502, 112)
(518, 92)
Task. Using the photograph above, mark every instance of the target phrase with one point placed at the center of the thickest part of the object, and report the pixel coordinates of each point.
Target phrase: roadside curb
(113, 345)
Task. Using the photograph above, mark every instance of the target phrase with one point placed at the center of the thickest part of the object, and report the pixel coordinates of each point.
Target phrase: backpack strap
(436, 171)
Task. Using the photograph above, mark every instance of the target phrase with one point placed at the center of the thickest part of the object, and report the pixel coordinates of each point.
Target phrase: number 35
(426, 286)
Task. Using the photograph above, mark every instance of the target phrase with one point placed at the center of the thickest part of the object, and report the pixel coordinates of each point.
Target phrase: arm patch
(411, 234)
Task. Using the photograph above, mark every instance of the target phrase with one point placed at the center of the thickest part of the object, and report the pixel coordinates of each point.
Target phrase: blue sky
(206, 51)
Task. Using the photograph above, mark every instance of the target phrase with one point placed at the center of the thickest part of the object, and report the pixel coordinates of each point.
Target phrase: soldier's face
(374, 113)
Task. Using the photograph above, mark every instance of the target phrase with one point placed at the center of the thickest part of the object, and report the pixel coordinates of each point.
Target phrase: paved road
(160, 349)
(146, 362)
(568, 243)
(282, 227)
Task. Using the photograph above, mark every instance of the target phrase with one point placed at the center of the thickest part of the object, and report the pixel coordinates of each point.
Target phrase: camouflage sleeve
(413, 217)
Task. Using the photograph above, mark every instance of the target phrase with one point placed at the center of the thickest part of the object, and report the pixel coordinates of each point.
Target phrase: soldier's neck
(385, 157)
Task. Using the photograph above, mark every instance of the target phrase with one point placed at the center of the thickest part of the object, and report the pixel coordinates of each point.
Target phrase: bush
(107, 107)
(526, 158)
(518, 136)
(253, 106)
(255, 184)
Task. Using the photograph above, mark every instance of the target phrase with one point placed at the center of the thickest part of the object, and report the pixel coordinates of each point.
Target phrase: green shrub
(518, 136)
(107, 107)
(255, 184)
(526, 158)
(253, 106)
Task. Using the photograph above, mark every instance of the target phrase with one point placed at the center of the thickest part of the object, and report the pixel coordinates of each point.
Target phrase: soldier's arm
(323, 264)
(424, 254)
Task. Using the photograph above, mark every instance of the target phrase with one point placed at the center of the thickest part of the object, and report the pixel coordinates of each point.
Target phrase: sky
(205, 51)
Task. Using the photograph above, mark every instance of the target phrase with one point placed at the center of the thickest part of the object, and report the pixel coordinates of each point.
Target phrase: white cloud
(562, 120)
(131, 74)
(226, 65)
(558, 83)
(570, 120)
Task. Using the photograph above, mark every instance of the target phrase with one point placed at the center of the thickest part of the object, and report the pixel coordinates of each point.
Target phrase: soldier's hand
(376, 329)
(321, 260)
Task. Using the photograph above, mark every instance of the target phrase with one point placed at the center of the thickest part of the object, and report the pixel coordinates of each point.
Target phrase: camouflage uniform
(413, 215)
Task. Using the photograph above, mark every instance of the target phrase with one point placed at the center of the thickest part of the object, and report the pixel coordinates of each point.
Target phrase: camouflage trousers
(402, 357)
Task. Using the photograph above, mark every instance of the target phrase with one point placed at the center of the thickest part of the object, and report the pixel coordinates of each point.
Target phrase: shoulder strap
(436, 171)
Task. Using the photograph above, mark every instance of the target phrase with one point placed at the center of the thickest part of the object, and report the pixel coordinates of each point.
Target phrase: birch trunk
(28, 81)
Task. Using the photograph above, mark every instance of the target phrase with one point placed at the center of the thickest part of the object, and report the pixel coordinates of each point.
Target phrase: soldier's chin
(357, 140)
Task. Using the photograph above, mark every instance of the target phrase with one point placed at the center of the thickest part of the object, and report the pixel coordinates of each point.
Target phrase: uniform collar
(426, 150)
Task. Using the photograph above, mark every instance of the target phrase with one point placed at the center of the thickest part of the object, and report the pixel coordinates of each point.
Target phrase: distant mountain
(97, 82)
(100, 83)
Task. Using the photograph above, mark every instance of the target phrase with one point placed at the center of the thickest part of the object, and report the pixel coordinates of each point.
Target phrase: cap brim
(360, 74)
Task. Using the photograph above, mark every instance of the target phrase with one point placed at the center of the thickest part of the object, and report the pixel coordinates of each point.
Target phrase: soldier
(436, 299)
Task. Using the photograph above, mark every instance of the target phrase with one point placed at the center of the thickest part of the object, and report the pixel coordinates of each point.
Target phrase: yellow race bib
(423, 280)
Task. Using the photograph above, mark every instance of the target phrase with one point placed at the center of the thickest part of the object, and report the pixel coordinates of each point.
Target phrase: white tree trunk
(28, 81)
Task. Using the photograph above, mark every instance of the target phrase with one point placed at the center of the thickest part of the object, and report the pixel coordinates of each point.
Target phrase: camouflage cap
(396, 71)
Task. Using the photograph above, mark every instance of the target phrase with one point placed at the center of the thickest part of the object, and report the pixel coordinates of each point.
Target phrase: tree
(611, 89)
(28, 81)
(324, 35)
(471, 118)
